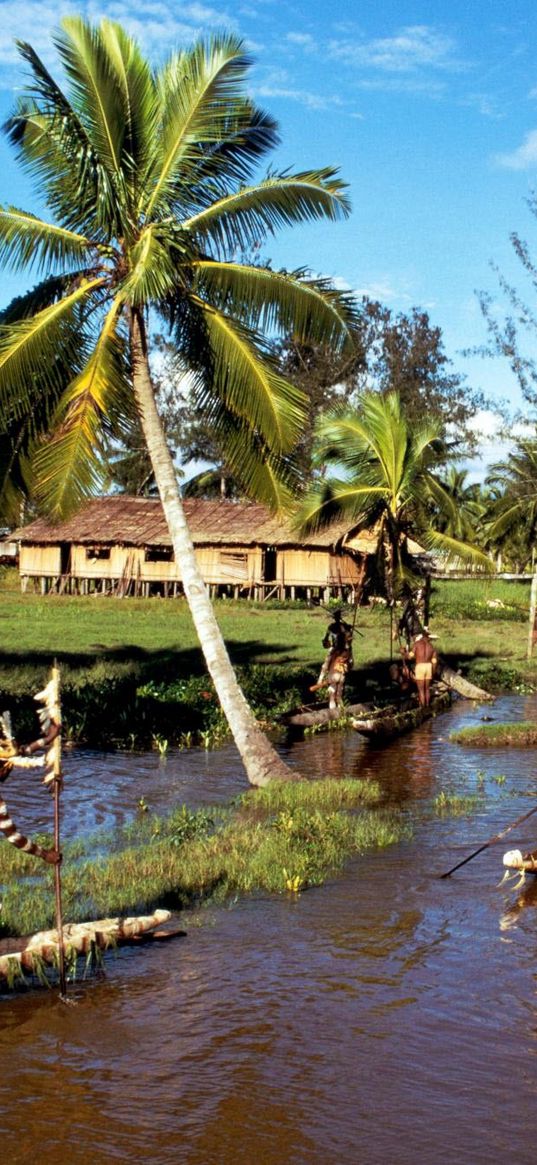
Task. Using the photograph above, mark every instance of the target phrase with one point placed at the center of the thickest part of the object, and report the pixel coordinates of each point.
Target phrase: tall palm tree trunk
(260, 760)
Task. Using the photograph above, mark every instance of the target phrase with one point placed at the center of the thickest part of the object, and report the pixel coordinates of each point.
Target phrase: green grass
(448, 804)
(133, 674)
(497, 735)
(278, 840)
(492, 600)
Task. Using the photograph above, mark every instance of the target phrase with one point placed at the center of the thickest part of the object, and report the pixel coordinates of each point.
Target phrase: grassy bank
(280, 840)
(520, 735)
(133, 674)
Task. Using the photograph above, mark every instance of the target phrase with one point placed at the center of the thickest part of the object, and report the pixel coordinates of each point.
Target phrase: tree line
(156, 333)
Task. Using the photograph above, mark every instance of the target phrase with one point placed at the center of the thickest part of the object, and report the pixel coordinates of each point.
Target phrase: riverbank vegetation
(497, 735)
(281, 839)
(133, 675)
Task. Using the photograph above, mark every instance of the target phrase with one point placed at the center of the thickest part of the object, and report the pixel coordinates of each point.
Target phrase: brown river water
(389, 1016)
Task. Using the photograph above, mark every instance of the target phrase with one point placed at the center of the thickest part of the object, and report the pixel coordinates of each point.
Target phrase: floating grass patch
(279, 839)
(497, 735)
(456, 804)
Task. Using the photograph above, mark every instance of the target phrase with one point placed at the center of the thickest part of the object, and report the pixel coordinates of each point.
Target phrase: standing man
(338, 643)
(426, 660)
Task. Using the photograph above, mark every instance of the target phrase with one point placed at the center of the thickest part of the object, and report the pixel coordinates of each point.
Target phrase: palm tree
(147, 175)
(512, 516)
(387, 480)
(465, 523)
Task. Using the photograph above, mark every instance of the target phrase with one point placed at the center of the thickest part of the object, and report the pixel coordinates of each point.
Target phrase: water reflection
(386, 1015)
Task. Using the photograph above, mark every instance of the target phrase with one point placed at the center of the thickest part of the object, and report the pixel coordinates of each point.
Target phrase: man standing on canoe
(426, 659)
(338, 644)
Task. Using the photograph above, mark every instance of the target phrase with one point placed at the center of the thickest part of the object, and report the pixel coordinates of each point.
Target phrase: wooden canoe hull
(385, 723)
(313, 715)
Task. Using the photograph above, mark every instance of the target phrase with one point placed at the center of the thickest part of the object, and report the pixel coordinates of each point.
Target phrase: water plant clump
(279, 839)
(448, 804)
(521, 734)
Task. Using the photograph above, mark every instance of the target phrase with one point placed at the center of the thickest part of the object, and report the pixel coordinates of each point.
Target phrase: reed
(456, 804)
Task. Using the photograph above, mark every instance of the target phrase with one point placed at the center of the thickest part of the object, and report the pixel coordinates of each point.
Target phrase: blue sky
(429, 110)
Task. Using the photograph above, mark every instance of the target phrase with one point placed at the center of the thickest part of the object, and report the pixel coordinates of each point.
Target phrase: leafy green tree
(387, 480)
(405, 354)
(512, 335)
(148, 176)
(511, 525)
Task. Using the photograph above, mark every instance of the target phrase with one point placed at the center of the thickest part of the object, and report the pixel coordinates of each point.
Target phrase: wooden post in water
(57, 784)
(533, 606)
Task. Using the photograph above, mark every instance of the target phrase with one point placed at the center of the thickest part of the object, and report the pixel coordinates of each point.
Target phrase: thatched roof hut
(121, 545)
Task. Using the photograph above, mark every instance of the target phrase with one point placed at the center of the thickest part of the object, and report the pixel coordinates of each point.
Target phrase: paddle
(491, 841)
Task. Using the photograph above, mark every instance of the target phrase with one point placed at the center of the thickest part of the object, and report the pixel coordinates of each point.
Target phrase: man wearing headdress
(338, 659)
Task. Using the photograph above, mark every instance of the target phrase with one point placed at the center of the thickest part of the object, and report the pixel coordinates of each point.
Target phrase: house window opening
(97, 553)
(159, 554)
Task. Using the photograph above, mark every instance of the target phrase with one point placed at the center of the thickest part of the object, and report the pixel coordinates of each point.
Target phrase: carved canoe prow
(459, 684)
(26, 954)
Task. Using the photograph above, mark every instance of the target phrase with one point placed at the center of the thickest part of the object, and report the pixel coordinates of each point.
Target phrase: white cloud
(152, 22)
(316, 101)
(277, 82)
(484, 103)
(494, 446)
(414, 48)
(302, 40)
(523, 158)
(383, 289)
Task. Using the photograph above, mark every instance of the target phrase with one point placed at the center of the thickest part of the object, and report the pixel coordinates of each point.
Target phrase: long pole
(57, 769)
(497, 837)
(533, 606)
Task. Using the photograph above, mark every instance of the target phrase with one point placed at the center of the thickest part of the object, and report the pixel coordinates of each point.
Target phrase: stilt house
(121, 545)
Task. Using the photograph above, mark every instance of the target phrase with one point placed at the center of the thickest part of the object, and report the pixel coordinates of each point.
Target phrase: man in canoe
(338, 659)
(425, 661)
(412, 617)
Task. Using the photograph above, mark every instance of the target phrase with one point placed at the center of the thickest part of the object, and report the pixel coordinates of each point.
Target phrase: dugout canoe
(315, 715)
(394, 720)
(37, 952)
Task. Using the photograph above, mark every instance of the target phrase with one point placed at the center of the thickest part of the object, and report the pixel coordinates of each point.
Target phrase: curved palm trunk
(260, 760)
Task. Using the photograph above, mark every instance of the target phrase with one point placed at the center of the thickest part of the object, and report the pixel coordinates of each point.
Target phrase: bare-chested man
(426, 659)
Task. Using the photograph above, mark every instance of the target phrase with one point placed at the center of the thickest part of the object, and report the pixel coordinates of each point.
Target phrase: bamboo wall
(239, 570)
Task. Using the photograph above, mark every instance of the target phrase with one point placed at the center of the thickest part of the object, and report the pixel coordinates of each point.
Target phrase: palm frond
(262, 474)
(247, 137)
(45, 293)
(55, 148)
(69, 466)
(138, 99)
(281, 200)
(249, 387)
(277, 300)
(153, 275)
(441, 496)
(453, 548)
(332, 499)
(28, 347)
(96, 92)
(199, 93)
(26, 240)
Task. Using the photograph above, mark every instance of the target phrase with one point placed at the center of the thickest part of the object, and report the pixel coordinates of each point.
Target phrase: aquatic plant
(307, 829)
(520, 734)
(456, 804)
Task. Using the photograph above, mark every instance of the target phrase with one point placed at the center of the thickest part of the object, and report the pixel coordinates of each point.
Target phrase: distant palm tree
(465, 521)
(147, 175)
(388, 481)
(511, 524)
